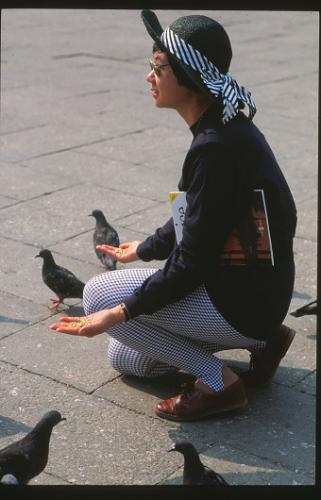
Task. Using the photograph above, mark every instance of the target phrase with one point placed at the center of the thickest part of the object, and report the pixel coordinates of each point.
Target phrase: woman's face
(166, 91)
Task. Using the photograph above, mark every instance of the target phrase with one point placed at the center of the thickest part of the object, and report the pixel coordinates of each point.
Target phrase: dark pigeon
(196, 473)
(104, 234)
(310, 308)
(60, 280)
(26, 458)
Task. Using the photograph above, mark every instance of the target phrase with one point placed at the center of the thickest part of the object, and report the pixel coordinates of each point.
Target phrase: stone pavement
(79, 132)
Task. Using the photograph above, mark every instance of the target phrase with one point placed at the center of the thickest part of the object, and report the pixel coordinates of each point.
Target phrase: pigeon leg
(56, 304)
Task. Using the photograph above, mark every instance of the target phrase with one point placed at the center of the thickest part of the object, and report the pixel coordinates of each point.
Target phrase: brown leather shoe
(264, 364)
(193, 404)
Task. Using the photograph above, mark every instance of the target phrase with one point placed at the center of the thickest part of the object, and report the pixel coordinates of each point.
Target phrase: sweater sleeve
(207, 222)
(159, 245)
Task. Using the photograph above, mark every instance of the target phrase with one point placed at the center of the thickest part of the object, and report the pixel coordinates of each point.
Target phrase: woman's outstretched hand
(126, 252)
(91, 325)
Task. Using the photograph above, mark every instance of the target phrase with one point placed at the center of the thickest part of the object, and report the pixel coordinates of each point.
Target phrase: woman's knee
(95, 295)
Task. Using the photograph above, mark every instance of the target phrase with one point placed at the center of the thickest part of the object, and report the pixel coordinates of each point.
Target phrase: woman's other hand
(126, 252)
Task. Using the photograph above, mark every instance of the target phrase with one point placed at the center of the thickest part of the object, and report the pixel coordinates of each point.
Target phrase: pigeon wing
(105, 236)
(63, 282)
(212, 477)
(13, 460)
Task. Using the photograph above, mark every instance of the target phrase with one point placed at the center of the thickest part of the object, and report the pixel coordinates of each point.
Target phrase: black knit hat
(203, 50)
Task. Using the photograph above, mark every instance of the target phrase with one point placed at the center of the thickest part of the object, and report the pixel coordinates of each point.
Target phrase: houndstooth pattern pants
(183, 335)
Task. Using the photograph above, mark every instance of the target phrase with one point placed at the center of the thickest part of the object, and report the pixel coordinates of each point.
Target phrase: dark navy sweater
(223, 166)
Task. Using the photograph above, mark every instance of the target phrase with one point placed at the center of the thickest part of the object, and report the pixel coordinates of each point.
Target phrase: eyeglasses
(157, 67)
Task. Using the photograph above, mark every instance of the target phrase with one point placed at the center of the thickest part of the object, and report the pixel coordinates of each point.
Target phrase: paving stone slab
(115, 148)
(34, 142)
(18, 313)
(149, 219)
(80, 362)
(99, 443)
(25, 280)
(81, 248)
(150, 180)
(141, 394)
(50, 139)
(285, 96)
(21, 183)
(64, 214)
(82, 89)
(283, 439)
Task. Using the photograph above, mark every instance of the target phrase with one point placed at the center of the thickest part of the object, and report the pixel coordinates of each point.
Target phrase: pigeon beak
(37, 256)
(90, 215)
(171, 449)
(63, 418)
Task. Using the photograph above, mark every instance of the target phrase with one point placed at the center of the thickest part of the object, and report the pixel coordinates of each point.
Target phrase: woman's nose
(150, 76)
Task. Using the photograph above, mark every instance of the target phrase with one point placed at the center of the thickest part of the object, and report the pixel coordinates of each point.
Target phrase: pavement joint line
(170, 474)
(138, 212)
(16, 296)
(269, 460)
(141, 197)
(47, 193)
(294, 386)
(22, 329)
(97, 141)
(247, 452)
(306, 376)
(277, 80)
(124, 60)
(82, 391)
(103, 384)
(24, 129)
(42, 375)
(36, 247)
(123, 407)
(85, 94)
(9, 197)
(56, 476)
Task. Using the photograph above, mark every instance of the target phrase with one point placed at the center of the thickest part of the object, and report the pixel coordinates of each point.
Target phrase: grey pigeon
(9, 480)
(26, 458)
(310, 308)
(104, 234)
(60, 280)
(196, 473)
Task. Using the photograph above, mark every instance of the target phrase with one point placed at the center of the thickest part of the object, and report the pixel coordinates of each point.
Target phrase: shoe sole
(213, 413)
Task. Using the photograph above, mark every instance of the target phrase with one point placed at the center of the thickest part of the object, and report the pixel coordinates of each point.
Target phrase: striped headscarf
(219, 84)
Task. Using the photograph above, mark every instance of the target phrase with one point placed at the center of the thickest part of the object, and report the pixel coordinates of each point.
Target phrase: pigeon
(310, 308)
(26, 458)
(196, 473)
(104, 234)
(60, 280)
(9, 480)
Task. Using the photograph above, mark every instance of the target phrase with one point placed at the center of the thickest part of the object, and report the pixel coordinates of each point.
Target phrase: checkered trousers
(183, 335)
